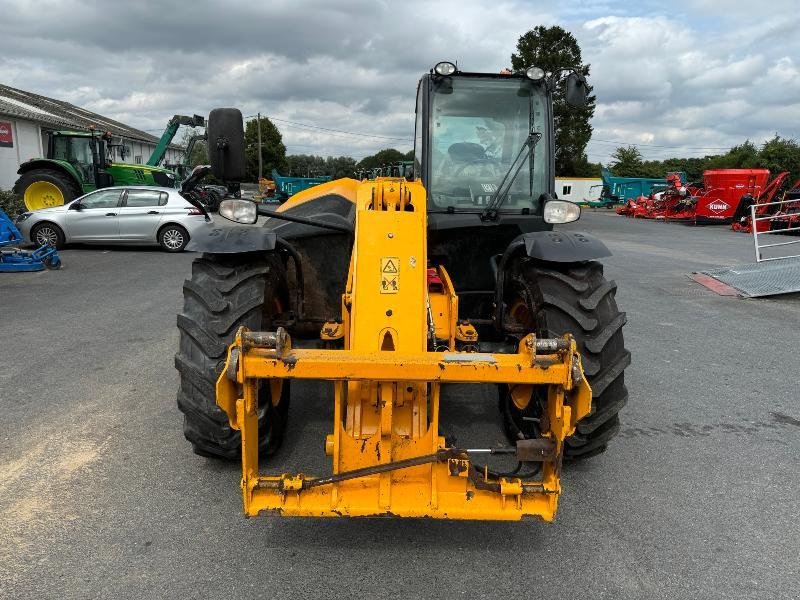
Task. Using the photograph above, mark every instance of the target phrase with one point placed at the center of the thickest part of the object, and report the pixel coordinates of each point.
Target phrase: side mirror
(577, 90)
(225, 133)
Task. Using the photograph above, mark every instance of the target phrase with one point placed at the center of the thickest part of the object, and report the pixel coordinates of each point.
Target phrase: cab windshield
(478, 127)
(72, 149)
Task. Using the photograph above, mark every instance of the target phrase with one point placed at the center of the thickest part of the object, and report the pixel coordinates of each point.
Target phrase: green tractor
(77, 163)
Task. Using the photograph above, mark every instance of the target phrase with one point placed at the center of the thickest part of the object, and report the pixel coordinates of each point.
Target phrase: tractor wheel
(224, 293)
(45, 188)
(551, 301)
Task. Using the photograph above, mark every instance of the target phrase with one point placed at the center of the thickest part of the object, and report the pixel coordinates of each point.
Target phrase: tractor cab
(85, 152)
(473, 131)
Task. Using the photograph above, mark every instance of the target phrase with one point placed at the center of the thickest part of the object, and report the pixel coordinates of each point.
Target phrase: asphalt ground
(101, 497)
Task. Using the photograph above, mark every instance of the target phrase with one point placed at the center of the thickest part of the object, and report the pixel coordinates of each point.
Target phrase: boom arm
(169, 134)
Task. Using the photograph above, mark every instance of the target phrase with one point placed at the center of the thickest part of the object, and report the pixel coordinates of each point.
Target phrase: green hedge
(11, 204)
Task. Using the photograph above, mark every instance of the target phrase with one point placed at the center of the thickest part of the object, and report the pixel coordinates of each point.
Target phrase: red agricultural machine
(717, 201)
(742, 219)
(671, 201)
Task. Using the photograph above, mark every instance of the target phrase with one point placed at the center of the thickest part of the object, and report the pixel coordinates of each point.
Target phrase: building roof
(58, 114)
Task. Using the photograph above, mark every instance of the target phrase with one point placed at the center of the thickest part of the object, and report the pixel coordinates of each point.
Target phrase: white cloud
(703, 74)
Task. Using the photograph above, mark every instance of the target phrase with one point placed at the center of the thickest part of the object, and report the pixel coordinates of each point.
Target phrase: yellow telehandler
(390, 288)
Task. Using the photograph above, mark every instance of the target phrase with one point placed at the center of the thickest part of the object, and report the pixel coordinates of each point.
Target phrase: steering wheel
(475, 161)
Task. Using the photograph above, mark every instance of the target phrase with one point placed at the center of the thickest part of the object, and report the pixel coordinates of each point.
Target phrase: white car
(116, 215)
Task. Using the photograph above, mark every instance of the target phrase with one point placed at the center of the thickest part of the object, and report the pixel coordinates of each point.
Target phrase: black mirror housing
(577, 91)
(225, 134)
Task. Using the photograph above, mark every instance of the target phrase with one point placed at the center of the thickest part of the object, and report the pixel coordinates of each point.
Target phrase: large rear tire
(553, 300)
(45, 188)
(224, 293)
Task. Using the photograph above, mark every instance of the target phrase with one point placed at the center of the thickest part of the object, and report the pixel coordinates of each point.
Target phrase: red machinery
(668, 201)
(715, 202)
(742, 220)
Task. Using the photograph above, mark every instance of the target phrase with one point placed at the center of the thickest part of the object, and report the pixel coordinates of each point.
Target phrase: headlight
(23, 216)
(444, 68)
(535, 73)
(240, 211)
(560, 211)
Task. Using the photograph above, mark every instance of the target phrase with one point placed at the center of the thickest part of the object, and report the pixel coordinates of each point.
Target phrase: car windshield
(72, 149)
(478, 127)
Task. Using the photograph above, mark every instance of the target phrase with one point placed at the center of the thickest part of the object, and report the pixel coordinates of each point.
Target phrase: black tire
(173, 238)
(47, 233)
(224, 293)
(67, 185)
(575, 299)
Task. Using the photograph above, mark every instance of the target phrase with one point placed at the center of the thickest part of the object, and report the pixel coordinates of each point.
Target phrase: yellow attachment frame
(388, 457)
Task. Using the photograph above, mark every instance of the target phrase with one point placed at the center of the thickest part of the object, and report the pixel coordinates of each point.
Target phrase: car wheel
(173, 238)
(47, 234)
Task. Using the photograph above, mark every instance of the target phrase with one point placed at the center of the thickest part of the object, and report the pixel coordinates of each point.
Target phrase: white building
(25, 119)
(578, 189)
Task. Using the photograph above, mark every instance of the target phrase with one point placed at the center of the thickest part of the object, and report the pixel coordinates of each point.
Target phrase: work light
(444, 68)
(535, 73)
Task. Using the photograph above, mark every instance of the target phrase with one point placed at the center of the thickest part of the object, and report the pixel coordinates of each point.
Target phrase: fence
(785, 219)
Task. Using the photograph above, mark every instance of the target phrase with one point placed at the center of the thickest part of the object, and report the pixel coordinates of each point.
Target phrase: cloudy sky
(679, 78)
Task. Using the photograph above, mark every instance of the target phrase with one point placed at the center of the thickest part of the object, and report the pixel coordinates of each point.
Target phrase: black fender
(546, 246)
(563, 246)
(231, 240)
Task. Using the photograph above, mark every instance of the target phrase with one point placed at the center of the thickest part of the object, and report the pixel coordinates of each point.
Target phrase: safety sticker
(390, 275)
(389, 264)
(389, 284)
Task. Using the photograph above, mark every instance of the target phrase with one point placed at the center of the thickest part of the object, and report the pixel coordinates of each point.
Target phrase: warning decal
(389, 284)
(390, 277)
(389, 264)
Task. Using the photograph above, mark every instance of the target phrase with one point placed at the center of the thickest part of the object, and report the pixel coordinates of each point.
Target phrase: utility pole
(260, 173)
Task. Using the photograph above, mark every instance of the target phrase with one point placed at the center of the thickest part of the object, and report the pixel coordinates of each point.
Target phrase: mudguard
(564, 246)
(231, 240)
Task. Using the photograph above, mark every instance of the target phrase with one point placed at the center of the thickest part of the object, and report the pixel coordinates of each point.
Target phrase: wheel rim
(173, 239)
(46, 235)
(42, 194)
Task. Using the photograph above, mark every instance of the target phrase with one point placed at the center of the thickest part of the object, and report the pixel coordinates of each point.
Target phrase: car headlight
(239, 211)
(561, 211)
(23, 217)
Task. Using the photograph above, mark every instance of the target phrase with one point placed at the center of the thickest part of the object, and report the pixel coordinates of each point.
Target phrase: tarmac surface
(101, 497)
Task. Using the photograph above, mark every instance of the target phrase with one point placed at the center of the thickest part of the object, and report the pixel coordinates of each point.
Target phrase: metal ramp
(779, 276)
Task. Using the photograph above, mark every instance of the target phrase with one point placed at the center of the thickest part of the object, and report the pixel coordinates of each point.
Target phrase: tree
(743, 156)
(781, 154)
(308, 165)
(340, 166)
(199, 155)
(553, 49)
(273, 152)
(304, 165)
(388, 156)
(628, 162)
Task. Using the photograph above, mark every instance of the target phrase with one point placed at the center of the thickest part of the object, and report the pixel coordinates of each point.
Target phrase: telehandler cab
(390, 288)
